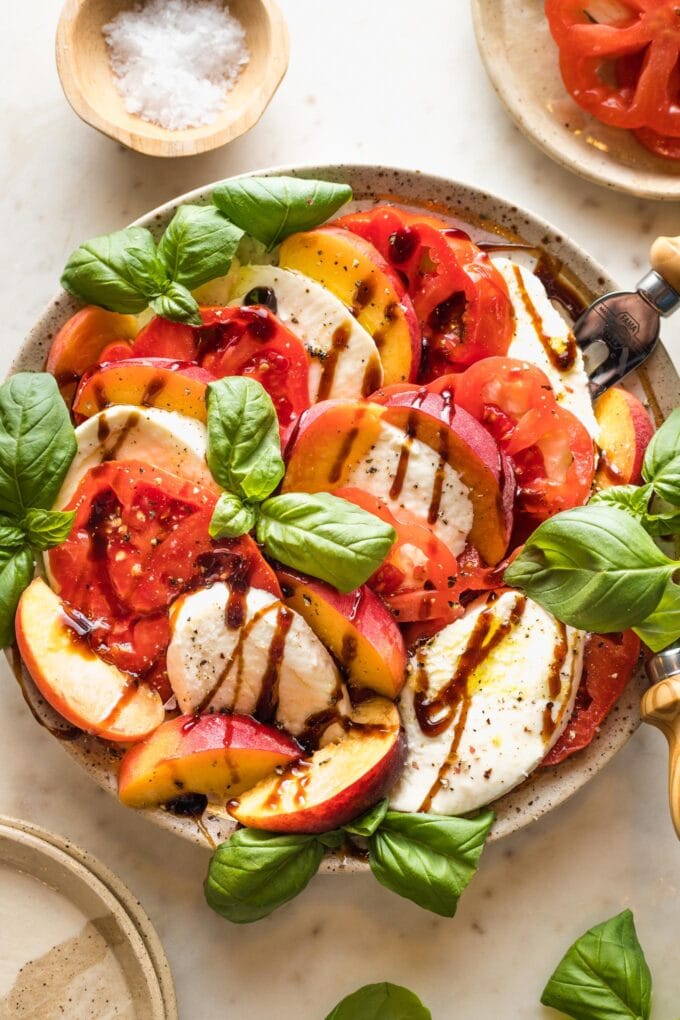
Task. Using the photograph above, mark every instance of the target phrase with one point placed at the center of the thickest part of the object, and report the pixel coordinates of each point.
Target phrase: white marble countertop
(395, 83)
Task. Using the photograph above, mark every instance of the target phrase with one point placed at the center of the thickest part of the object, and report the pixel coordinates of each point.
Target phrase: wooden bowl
(90, 87)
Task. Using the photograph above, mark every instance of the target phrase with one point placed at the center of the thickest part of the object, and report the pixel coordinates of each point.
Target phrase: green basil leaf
(178, 304)
(198, 245)
(244, 449)
(661, 465)
(37, 442)
(231, 517)
(332, 839)
(119, 271)
(662, 626)
(47, 528)
(383, 1001)
(366, 824)
(427, 858)
(12, 535)
(255, 872)
(634, 499)
(324, 536)
(604, 975)
(16, 573)
(662, 525)
(595, 568)
(271, 208)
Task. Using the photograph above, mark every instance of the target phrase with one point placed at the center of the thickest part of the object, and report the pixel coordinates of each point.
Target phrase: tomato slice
(460, 298)
(608, 664)
(80, 342)
(648, 28)
(628, 69)
(162, 338)
(140, 539)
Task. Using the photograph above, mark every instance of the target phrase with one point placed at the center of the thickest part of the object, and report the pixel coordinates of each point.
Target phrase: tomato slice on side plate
(608, 663)
(140, 539)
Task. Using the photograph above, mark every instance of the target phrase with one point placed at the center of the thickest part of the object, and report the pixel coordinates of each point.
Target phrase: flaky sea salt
(175, 60)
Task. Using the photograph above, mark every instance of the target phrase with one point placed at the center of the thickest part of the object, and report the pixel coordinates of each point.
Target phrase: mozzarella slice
(405, 473)
(273, 666)
(500, 683)
(540, 330)
(163, 439)
(344, 360)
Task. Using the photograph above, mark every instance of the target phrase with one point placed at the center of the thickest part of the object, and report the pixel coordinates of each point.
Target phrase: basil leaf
(16, 573)
(244, 449)
(332, 839)
(662, 626)
(177, 304)
(12, 535)
(661, 465)
(634, 499)
(271, 208)
(231, 517)
(383, 1001)
(662, 525)
(37, 442)
(255, 872)
(595, 568)
(198, 245)
(324, 536)
(47, 528)
(427, 858)
(119, 271)
(604, 975)
(366, 824)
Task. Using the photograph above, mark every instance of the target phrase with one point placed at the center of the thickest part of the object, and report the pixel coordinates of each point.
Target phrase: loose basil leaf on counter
(120, 271)
(47, 528)
(634, 499)
(198, 245)
(231, 517)
(661, 465)
(324, 536)
(594, 567)
(366, 824)
(254, 872)
(178, 304)
(428, 858)
(12, 535)
(244, 449)
(383, 1001)
(604, 975)
(37, 442)
(272, 208)
(16, 573)
(662, 626)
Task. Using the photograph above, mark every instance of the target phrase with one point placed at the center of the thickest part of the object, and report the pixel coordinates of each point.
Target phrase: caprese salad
(277, 466)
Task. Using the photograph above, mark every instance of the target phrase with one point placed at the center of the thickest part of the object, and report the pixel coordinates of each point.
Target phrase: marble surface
(396, 83)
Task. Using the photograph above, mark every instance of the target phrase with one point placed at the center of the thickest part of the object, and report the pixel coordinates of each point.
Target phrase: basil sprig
(383, 1001)
(320, 534)
(429, 859)
(37, 445)
(604, 975)
(272, 208)
(127, 272)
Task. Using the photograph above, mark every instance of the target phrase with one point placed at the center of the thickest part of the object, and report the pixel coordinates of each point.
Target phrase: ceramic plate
(487, 216)
(73, 941)
(521, 60)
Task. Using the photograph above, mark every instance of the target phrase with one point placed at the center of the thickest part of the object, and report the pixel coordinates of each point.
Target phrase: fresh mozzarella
(538, 325)
(273, 666)
(499, 714)
(383, 465)
(163, 439)
(344, 360)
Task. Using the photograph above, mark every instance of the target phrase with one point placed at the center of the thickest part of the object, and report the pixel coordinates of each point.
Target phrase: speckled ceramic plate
(657, 384)
(73, 941)
(521, 60)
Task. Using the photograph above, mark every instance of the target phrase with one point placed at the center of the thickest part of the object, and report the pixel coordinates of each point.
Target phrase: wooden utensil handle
(664, 256)
(661, 707)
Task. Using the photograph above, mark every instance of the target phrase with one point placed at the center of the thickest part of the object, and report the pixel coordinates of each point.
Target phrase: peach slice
(80, 342)
(358, 630)
(625, 432)
(144, 382)
(336, 783)
(352, 269)
(217, 755)
(91, 694)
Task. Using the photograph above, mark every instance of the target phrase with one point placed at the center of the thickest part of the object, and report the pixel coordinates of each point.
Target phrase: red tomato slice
(460, 298)
(667, 146)
(119, 350)
(608, 663)
(140, 539)
(162, 338)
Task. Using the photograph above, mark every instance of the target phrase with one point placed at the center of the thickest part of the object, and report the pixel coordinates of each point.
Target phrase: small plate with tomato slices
(411, 357)
(571, 77)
